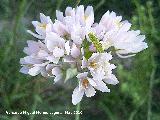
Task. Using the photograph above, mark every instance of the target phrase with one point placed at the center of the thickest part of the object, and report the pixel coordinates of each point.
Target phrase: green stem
(78, 107)
(150, 94)
(77, 2)
(151, 84)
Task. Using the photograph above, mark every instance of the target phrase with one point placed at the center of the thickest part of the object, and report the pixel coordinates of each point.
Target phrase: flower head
(74, 40)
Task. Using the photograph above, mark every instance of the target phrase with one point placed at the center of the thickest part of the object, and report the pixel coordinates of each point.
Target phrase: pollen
(93, 64)
(119, 24)
(85, 83)
(42, 25)
(66, 36)
(85, 17)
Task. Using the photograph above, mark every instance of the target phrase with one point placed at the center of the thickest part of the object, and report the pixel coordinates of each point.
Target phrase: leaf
(70, 73)
(87, 52)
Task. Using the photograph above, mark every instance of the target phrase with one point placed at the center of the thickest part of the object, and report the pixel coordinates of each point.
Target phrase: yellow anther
(85, 17)
(119, 24)
(93, 64)
(85, 83)
(42, 25)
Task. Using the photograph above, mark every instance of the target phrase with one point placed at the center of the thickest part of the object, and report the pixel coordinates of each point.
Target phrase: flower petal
(90, 91)
(53, 59)
(111, 79)
(57, 78)
(54, 40)
(58, 52)
(77, 95)
(91, 81)
(101, 86)
(59, 15)
(24, 70)
(56, 71)
(75, 52)
(34, 71)
(84, 63)
(82, 75)
(36, 35)
(67, 47)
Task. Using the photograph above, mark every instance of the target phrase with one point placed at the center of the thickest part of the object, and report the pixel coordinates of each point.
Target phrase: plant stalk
(78, 107)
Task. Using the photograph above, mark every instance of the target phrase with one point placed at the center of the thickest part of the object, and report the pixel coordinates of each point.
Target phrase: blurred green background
(136, 97)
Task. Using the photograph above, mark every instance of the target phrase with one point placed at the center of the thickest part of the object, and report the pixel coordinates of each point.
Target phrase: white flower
(85, 17)
(36, 49)
(32, 66)
(73, 52)
(41, 27)
(125, 42)
(106, 73)
(36, 60)
(76, 24)
(99, 65)
(98, 30)
(33, 47)
(60, 28)
(77, 34)
(110, 21)
(56, 45)
(54, 71)
(75, 31)
(87, 85)
(96, 61)
(69, 12)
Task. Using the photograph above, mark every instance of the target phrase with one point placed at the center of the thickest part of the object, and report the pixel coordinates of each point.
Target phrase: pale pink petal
(111, 79)
(84, 63)
(77, 95)
(58, 52)
(75, 51)
(36, 35)
(24, 70)
(53, 59)
(82, 75)
(101, 86)
(68, 59)
(67, 47)
(34, 71)
(92, 82)
(56, 71)
(35, 23)
(59, 15)
(90, 91)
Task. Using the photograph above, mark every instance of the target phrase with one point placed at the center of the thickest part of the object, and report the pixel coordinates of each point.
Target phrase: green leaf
(87, 52)
(70, 73)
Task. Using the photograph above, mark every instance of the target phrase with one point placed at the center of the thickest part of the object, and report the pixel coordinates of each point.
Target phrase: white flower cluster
(73, 39)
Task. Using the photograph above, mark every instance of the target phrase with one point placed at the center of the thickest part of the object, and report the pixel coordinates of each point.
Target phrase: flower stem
(151, 83)
(77, 3)
(150, 95)
(77, 117)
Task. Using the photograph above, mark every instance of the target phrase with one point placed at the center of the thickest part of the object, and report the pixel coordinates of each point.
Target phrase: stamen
(119, 24)
(85, 83)
(85, 17)
(93, 64)
(42, 25)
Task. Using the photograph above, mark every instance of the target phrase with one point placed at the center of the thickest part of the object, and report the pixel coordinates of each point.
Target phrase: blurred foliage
(137, 95)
